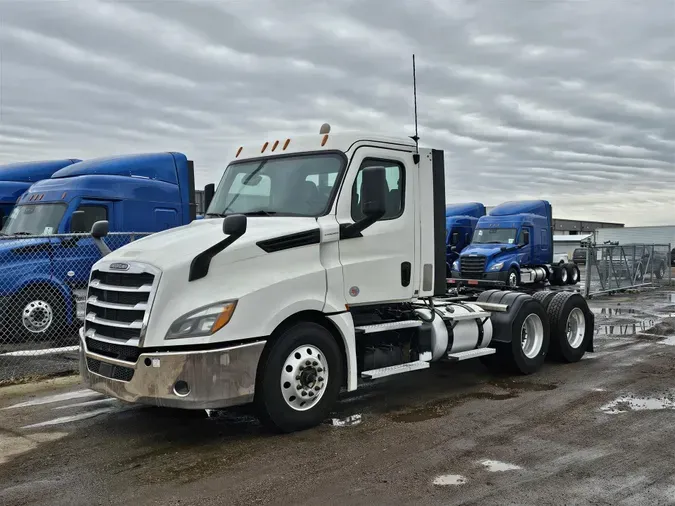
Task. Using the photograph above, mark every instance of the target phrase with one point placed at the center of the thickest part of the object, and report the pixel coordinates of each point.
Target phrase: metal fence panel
(614, 267)
(43, 284)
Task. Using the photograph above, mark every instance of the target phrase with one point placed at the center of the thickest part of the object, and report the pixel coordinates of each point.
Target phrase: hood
(29, 246)
(178, 246)
(488, 250)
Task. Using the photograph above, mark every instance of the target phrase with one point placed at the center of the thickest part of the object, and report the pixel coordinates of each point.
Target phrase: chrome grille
(472, 267)
(117, 307)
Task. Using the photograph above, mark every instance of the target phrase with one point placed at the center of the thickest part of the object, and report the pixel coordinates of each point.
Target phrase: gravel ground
(597, 432)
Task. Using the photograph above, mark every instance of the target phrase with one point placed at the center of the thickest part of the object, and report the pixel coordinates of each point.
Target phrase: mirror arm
(352, 230)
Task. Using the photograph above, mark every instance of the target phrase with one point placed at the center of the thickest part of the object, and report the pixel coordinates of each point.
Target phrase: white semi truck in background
(320, 264)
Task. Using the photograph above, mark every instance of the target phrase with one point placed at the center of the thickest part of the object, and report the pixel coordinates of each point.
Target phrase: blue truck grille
(117, 304)
(472, 267)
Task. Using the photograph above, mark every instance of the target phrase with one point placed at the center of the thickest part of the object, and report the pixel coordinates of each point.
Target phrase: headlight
(455, 265)
(204, 321)
(497, 267)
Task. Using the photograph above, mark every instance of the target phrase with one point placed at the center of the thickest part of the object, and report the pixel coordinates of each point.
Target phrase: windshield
(34, 219)
(494, 236)
(285, 186)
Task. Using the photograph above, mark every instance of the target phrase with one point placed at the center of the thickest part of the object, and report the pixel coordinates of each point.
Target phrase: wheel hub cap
(531, 335)
(37, 316)
(304, 377)
(576, 327)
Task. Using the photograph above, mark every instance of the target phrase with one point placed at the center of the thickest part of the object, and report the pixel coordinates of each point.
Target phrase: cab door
(379, 265)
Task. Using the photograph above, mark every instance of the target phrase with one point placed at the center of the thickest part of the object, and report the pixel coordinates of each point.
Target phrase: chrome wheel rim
(304, 377)
(576, 327)
(532, 335)
(513, 279)
(563, 275)
(37, 316)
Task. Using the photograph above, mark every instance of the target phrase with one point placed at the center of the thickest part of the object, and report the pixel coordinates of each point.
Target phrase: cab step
(386, 327)
(394, 369)
(466, 355)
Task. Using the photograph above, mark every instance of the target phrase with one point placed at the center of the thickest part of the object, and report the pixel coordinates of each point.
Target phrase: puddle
(494, 466)
(449, 479)
(349, 421)
(662, 328)
(613, 311)
(629, 403)
(437, 409)
(523, 386)
(626, 329)
(670, 341)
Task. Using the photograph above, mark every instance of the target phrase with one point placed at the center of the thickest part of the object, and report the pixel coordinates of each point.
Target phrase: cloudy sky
(573, 101)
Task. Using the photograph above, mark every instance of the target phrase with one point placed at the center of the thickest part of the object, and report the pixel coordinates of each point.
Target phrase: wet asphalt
(601, 431)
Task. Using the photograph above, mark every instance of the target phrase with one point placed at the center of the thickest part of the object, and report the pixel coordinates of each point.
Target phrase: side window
(92, 214)
(524, 237)
(395, 174)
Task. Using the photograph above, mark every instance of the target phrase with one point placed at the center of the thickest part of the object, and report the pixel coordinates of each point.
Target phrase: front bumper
(215, 378)
(497, 278)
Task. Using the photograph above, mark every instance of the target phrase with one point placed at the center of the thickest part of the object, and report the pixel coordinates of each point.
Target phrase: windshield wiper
(217, 215)
(22, 233)
(260, 212)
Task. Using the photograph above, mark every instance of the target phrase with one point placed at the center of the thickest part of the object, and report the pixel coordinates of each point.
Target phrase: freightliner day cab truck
(460, 223)
(513, 245)
(41, 277)
(322, 266)
(16, 178)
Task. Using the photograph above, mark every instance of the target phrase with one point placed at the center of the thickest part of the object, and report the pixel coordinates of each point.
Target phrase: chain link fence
(615, 267)
(43, 286)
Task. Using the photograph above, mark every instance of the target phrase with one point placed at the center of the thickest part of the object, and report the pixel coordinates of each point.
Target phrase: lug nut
(319, 369)
(317, 388)
(299, 387)
(307, 362)
(297, 377)
(303, 393)
(320, 378)
(311, 394)
(315, 363)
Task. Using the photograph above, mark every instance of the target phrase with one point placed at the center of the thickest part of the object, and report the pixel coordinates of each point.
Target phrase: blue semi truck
(460, 223)
(16, 178)
(513, 245)
(41, 278)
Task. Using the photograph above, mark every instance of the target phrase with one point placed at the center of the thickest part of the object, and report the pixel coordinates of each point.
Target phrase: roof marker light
(239, 151)
(324, 140)
(63, 197)
(264, 147)
(274, 146)
(288, 141)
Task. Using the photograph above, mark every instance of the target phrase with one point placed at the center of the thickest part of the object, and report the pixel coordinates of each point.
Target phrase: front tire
(299, 378)
(513, 279)
(37, 313)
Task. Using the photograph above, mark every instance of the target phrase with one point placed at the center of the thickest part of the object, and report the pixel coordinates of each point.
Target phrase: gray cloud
(573, 101)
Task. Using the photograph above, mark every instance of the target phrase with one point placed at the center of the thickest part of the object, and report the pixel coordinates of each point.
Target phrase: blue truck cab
(42, 274)
(16, 178)
(513, 245)
(460, 222)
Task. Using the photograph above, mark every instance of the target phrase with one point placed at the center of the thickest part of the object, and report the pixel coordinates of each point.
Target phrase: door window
(395, 175)
(92, 214)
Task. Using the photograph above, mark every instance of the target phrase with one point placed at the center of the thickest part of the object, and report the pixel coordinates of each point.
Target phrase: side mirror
(235, 225)
(467, 238)
(98, 231)
(77, 223)
(209, 191)
(373, 192)
(453, 249)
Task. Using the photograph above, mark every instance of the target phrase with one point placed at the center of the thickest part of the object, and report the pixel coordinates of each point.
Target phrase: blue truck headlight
(455, 265)
(497, 267)
(203, 321)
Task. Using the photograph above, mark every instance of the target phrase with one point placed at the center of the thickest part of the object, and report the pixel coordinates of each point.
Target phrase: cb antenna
(416, 138)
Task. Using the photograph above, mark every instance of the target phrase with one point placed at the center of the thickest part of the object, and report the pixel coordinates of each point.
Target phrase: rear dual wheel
(572, 326)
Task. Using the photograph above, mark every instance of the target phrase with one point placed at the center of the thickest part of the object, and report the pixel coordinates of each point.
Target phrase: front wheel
(299, 378)
(513, 279)
(36, 314)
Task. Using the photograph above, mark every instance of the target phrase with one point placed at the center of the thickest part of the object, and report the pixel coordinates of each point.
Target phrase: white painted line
(37, 353)
(88, 403)
(346, 422)
(67, 419)
(77, 394)
(449, 479)
(494, 466)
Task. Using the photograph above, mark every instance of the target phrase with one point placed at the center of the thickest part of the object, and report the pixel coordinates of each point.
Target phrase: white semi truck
(320, 265)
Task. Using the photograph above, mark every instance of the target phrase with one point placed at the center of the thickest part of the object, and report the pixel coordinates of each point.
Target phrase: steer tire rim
(304, 377)
(513, 279)
(576, 327)
(532, 335)
(37, 316)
